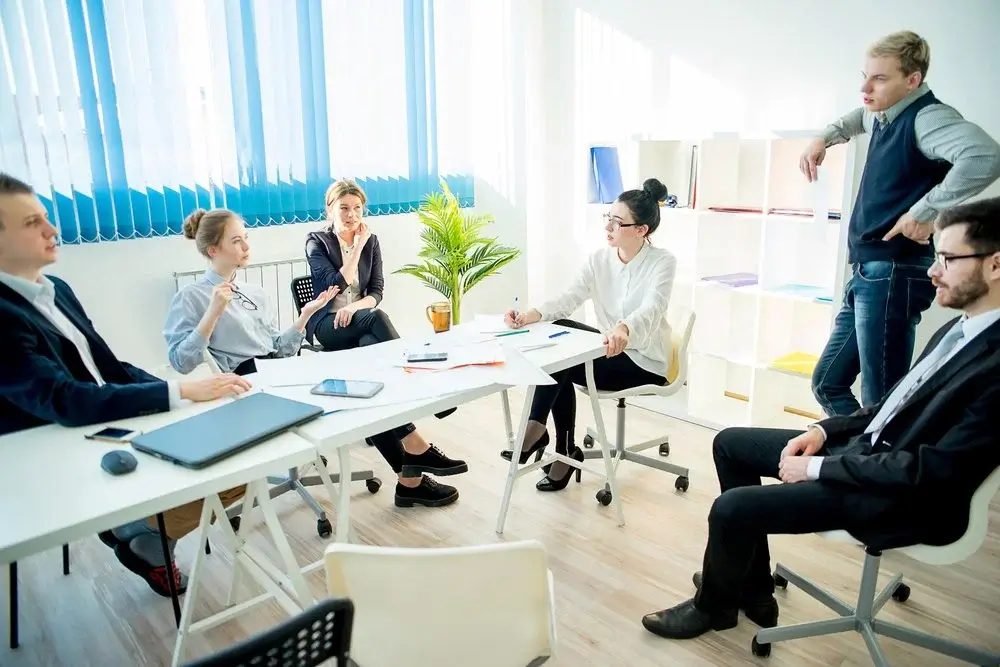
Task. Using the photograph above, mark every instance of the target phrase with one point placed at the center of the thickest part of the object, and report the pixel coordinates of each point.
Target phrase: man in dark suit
(897, 473)
(58, 369)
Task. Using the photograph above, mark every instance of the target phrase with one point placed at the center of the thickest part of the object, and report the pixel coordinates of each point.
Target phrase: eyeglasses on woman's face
(614, 223)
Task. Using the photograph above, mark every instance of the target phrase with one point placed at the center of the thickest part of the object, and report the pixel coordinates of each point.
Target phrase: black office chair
(320, 633)
(302, 293)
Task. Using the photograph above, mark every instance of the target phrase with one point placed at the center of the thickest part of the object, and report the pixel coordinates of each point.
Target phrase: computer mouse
(118, 462)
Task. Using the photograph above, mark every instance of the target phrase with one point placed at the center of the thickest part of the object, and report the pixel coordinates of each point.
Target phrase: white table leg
(512, 470)
(505, 401)
(194, 579)
(602, 436)
(343, 496)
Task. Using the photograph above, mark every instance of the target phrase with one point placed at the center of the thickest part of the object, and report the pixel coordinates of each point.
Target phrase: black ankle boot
(537, 449)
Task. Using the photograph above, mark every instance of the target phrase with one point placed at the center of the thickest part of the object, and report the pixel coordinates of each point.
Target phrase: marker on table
(511, 333)
(558, 333)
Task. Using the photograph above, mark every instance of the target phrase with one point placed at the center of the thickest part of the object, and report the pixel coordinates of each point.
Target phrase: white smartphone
(348, 388)
(421, 357)
(113, 434)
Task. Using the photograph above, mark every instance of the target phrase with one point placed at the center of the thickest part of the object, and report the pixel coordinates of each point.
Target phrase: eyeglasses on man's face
(944, 259)
(617, 223)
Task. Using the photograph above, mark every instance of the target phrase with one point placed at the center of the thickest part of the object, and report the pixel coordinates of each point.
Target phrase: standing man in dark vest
(923, 157)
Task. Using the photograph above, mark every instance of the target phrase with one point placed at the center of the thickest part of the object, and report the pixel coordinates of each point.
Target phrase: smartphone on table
(347, 388)
(113, 434)
(423, 357)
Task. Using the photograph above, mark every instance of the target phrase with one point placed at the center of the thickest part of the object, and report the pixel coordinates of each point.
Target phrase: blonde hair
(207, 227)
(912, 51)
(342, 188)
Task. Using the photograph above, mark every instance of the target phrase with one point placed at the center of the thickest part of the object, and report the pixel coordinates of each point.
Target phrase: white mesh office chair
(297, 483)
(861, 618)
(677, 340)
(489, 606)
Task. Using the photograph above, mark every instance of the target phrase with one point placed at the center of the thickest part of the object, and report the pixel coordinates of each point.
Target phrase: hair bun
(192, 221)
(656, 190)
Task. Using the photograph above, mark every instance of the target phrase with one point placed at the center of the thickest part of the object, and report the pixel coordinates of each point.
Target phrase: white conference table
(37, 519)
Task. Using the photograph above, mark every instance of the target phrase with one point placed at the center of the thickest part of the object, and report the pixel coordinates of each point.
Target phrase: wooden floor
(606, 577)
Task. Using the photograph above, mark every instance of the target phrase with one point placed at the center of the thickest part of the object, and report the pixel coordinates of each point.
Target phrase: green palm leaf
(456, 254)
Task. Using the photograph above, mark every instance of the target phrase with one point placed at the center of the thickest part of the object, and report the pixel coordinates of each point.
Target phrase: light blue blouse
(245, 330)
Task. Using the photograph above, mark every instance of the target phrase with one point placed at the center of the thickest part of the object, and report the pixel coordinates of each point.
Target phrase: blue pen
(558, 333)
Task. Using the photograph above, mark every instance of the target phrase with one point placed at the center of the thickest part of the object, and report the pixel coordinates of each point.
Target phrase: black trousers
(388, 443)
(559, 399)
(737, 562)
(368, 327)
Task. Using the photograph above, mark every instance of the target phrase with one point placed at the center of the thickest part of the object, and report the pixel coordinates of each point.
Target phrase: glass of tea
(439, 315)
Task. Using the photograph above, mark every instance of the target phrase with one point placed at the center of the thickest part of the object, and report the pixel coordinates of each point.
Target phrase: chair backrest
(975, 533)
(679, 334)
(318, 634)
(490, 605)
(302, 292)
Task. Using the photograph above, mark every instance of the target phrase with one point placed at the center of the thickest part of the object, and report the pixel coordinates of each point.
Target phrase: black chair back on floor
(318, 634)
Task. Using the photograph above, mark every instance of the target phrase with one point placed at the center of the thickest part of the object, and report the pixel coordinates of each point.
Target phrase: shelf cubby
(726, 322)
(799, 252)
(727, 243)
(731, 174)
(790, 325)
(788, 189)
(782, 400)
(719, 390)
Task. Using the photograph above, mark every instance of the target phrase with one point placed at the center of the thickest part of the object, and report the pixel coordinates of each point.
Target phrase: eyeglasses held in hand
(244, 300)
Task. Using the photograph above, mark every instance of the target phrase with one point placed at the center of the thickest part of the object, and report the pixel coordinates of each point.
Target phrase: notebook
(209, 437)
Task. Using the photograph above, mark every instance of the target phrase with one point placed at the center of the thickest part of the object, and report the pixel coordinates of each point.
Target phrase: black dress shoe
(433, 462)
(109, 538)
(686, 621)
(763, 612)
(429, 494)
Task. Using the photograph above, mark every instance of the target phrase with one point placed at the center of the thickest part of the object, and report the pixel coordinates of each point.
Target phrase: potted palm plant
(456, 253)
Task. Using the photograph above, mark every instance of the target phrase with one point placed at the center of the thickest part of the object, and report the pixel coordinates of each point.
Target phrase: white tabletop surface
(54, 491)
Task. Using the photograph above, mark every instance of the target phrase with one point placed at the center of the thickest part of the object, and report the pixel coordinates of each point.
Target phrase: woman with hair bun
(629, 283)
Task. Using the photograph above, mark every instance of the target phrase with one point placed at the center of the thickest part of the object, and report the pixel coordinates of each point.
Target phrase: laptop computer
(210, 436)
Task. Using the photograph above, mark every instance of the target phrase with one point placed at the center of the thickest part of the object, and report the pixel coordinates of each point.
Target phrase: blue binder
(605, 183)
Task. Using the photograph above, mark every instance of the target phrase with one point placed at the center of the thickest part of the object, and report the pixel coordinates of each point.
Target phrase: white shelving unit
(758, 257)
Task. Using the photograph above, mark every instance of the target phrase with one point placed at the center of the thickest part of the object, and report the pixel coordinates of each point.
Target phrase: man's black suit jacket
(932, 456)
(44, 379)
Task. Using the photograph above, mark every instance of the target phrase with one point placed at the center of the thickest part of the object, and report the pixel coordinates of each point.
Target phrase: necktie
(914, 380)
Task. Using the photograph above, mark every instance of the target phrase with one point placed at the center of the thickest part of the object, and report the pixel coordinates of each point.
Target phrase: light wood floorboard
(606, 577)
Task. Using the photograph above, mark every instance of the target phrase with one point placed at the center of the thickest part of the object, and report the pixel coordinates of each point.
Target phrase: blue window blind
(129, 114)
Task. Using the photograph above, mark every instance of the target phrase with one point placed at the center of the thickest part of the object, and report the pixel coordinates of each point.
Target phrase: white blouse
(636, 294)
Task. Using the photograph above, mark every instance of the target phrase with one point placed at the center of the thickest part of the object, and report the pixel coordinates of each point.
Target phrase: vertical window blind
(125, 115)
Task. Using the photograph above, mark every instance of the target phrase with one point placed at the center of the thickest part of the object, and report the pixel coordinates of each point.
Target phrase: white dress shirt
(971, 327)
(42, 295)
(636, 294)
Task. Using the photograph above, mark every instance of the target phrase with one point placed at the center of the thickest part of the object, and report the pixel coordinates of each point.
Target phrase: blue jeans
(873, 334)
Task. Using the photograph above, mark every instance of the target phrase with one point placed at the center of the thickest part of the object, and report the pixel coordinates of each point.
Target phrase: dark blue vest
(896, 176)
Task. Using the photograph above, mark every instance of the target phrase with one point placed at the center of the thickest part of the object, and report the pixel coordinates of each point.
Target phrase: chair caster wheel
(373, 484)
(604, 497)
(588, 441)
(681, 484)
(323, 527)
(902, 593)
(665, 449)
(760, 650)
(780, 581)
